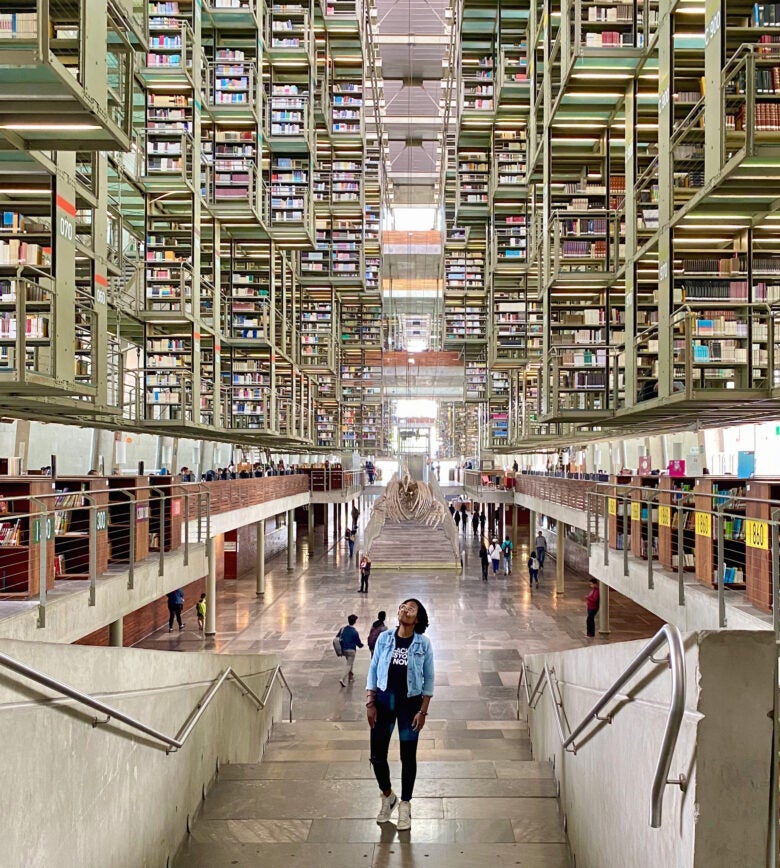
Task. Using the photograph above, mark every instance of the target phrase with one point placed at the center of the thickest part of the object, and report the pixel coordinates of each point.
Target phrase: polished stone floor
(480, 798)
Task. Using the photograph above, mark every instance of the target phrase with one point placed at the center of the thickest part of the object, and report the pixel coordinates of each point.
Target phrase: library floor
(313, 800)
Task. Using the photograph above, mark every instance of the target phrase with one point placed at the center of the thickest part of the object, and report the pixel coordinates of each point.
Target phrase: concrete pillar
(260, 557)
(290, 539)
(211, 589)
(514, 524)
(326, 511)
(603, 609)
(532, 530)
(115, 633)
(310, 513)
(560, 559)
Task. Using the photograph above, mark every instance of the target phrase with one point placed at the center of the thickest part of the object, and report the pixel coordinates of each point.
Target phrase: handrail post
(721, 571)
(43, 540)
(680, 555)
(131, 543)
(626, 534)
(649, 505)
(774, 820)
(92, 551)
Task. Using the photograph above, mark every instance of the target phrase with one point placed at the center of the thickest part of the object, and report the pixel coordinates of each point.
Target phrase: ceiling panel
(402, 17)
(412, 61)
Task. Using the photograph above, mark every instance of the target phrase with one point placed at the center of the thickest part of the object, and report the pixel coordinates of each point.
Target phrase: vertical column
(603, 609)
(290, 539)
(560, 559)
(260, 557)
(310, 514)
(514, 524)
(211, 589)
(115, 633)
(326, 511)
(531, 530)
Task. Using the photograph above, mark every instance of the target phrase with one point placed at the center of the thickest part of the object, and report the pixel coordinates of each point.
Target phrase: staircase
(480, 799)
(411, 545)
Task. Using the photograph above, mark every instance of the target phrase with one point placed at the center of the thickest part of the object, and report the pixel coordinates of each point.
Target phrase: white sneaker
(388, 806)
(404, 817)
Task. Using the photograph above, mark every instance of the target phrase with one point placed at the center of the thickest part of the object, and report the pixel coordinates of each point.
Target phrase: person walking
(200, 611)
(475, 523)
(365, 572)
(175, 605)
(452, 509)
(399, 688)
(592, 606)
(463, 516)
(350, 642)
(350, 538)
(541, 548)
(482, 519)
(506, 548)
(377, 627)
(484, 558)
(495, 555)
(533, 571)
(456, 516)
(355, 516)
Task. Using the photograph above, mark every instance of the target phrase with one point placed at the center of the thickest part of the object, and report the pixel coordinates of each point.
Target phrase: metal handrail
(173, 743)
(676, 661)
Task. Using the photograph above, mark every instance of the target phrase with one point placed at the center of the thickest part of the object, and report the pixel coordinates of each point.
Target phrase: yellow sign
(757, 534)
(664, 516)
(703, 524)
(636, 510)
(612, 505)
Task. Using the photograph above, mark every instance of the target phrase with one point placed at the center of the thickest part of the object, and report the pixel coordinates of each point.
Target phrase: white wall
(724, 749)
(105, 796)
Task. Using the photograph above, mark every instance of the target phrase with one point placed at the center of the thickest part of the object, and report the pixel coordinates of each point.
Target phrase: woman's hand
(371, 715)
(419, 722)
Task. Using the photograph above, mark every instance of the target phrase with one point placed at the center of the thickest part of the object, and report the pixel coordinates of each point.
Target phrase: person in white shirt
(495, 555)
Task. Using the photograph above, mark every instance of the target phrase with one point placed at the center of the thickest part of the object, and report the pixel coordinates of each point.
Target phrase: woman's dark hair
(352, 619)
(381, 615)
(422, 615)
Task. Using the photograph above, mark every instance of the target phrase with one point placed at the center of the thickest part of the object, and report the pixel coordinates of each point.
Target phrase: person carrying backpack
(533, 571)
(350, 538)
(506, 548)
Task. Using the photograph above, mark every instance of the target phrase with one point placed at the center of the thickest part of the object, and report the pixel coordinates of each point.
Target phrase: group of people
(493, 555)
(257, 470)
(399, 689)
(176, 606)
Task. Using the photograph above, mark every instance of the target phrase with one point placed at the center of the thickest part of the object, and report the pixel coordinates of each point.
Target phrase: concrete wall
(118, 799)
(724, 749)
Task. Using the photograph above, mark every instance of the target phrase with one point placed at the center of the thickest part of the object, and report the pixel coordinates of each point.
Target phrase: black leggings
(174, 612)
(389, 708)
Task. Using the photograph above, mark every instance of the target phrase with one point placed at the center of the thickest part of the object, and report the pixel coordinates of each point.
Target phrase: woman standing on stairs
(399, 687)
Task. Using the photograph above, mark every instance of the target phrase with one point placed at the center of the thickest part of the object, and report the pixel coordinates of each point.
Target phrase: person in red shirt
(592, 604)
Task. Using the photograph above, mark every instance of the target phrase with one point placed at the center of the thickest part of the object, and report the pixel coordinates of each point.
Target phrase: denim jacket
(419, 676)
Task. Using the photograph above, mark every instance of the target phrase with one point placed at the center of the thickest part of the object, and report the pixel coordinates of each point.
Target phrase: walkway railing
(719, 526)
(172, 742)
(667, 635)
(347, 482)
(90, 526)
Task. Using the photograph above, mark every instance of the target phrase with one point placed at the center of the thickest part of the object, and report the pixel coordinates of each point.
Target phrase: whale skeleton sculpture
(410, 499)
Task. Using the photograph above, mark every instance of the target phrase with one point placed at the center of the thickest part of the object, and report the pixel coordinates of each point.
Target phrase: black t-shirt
(399, 664)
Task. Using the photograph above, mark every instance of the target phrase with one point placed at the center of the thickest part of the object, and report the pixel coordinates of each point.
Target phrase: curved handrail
(669, 635)
(172, 742)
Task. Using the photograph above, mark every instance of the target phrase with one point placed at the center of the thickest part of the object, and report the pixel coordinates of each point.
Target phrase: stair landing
(480, 799)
